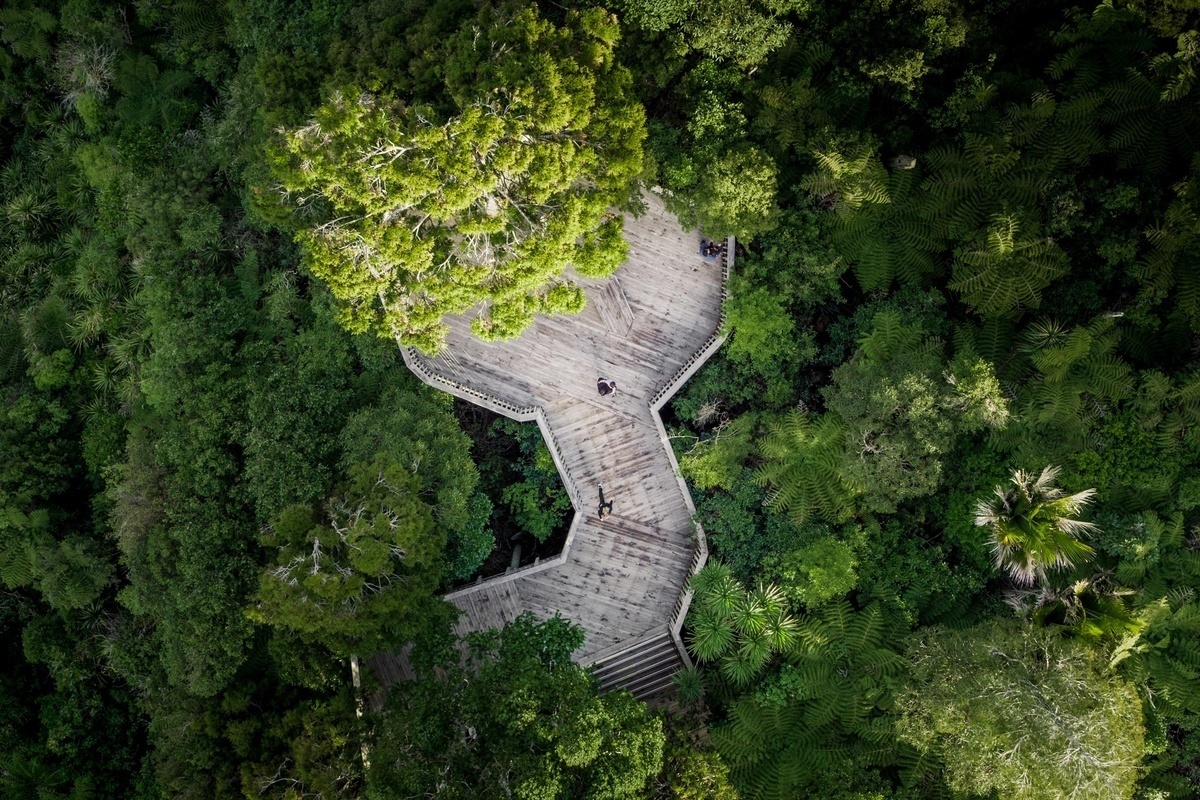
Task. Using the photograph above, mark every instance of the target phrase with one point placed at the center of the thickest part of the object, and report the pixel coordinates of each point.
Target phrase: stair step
(631, 662)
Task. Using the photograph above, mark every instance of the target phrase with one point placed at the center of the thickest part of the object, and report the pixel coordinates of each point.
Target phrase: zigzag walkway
(623, 579)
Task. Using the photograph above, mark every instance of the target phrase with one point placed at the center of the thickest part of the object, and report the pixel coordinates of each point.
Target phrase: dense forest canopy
(948, 459)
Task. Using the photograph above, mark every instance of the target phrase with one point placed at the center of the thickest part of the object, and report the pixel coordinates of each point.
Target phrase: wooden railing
(700, 356)
(522, 414)
(700, 554)
(416, 363)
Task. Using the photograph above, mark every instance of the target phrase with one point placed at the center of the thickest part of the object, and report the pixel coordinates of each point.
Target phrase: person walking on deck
(605, 508)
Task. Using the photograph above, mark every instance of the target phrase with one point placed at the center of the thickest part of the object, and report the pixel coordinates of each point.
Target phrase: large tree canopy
(518, 719)
(1024, 713)
(414, 207)
(362, 578)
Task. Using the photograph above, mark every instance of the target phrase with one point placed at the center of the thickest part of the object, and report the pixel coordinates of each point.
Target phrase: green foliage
(815, 573)
(1159, 652)
(691, 773)
(539, 504)
(744, 34)
(775, 296)
(1002, 271)
(716, 460)
(823, 712)
(409, 213)
(362, 578)
(171, 379)
(804, 467)
(711, 175)
(848, 181)
(1170, 266)
(902, 411)
(741, 629)
(470, 546)
(518, 713)
(733, 196)
(1033, 526)
(905, 564)
(742, 531)
(1023, 713)
(418, 432)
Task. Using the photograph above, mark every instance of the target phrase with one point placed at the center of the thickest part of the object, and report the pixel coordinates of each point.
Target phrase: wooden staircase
(643, 668)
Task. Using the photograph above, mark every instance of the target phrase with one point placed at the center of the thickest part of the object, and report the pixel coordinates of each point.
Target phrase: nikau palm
(1033, 525)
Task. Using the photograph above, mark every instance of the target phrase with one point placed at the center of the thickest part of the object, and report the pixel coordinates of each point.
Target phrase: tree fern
(847, 179)
(802, 467)
(886, 242)
(824, 711)
(1002, 271)
(967, 185)
(771, 753)
(739, 630)
(1164, 653)
(689, 684)
(1074, 375)
(1172, 265)
(12, 350)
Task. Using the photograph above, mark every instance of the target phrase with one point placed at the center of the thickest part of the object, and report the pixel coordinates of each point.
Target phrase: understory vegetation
(947, 461)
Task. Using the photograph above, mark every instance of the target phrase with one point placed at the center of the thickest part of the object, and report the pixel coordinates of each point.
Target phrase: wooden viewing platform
(623, 579)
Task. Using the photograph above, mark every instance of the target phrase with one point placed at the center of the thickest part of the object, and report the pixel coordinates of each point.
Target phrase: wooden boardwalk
(648, 328)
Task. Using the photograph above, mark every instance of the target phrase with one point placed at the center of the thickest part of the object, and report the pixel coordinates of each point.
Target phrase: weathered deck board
(621, 577)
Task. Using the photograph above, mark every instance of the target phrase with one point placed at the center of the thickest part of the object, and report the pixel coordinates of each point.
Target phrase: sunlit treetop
(410, 214)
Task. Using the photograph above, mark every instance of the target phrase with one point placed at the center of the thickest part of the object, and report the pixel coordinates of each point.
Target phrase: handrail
(700, 555)
(415, 362)
(714, 341)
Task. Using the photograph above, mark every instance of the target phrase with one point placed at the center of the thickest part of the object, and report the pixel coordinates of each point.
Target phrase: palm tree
(1033, 526)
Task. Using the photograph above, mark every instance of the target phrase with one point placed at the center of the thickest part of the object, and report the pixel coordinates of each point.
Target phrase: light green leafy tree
(712, 176)
(362, 577)
(418, 430)
(813, 574)
(903, 408)
(410, 214)
(1033, 525)
(1023, 713)
(734, 195)
(743, 33)
(716, 461)
(692, 774)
